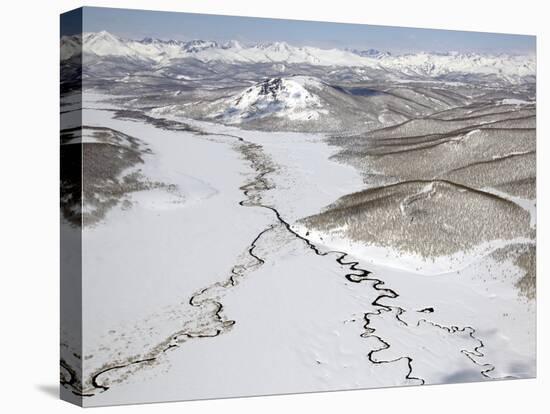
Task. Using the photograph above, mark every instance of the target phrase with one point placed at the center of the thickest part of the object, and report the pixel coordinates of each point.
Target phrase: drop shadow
(51, 390)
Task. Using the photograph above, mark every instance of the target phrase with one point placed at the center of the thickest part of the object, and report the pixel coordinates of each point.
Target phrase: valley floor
(212, 288)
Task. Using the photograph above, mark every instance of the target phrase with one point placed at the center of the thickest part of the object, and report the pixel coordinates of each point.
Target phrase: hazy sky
(137, 24)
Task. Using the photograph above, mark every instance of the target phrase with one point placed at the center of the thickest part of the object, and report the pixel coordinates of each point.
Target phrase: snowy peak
(152, 40)
(373, 53)
(277, 47)
(105, 44)
(290, 98)
(232, 44)
(195, 46)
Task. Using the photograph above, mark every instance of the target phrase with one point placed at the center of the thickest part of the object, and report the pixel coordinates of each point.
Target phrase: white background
(29, 50)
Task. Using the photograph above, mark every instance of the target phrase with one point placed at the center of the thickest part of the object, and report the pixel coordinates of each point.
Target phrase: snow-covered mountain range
(512, 68)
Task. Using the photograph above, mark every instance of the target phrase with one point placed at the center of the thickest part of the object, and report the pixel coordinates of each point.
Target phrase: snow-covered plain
(299, 322)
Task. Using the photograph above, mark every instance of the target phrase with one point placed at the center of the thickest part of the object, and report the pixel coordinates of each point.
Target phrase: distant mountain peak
(232, 44)
(194, 46)
(277, 46)
(370, 53)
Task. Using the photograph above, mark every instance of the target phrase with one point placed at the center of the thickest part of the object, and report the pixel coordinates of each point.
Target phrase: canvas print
(259, 206)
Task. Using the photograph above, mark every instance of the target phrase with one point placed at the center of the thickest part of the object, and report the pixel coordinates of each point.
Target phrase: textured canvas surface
(254, 206)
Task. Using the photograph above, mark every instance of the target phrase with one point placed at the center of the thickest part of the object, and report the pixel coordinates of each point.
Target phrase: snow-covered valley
(224, 274)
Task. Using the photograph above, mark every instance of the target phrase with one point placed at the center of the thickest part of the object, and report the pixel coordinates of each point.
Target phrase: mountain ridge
(509, 67)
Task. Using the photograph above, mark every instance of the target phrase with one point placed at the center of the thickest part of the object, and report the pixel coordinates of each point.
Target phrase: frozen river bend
(202, 278)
